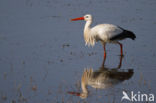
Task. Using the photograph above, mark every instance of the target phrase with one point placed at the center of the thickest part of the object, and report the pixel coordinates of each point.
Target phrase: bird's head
(87, 17)
(82, 95)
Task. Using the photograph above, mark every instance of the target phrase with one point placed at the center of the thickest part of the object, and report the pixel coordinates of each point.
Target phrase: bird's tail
(123, 35)
(129, 34)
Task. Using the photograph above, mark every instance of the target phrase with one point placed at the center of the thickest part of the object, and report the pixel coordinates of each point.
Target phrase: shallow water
(43, 54)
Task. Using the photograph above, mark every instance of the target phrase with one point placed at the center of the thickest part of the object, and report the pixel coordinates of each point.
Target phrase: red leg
(104, 51)
(120, 48)
(104, 58)
(121, 57)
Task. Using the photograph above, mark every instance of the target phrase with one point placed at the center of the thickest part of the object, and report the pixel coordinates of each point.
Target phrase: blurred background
(43, 53)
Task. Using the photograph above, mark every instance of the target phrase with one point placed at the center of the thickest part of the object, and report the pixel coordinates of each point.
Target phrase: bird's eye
(86, 16)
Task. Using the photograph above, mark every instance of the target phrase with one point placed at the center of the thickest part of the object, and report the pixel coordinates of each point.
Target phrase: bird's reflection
(103, 78)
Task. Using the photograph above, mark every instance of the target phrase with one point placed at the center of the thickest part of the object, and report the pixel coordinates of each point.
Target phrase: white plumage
(103, 32)
(101, 79)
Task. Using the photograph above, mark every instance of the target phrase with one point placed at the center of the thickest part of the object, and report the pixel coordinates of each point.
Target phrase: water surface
(43, 54)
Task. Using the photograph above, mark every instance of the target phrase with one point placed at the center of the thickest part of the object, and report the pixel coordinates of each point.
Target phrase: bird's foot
(121, 55)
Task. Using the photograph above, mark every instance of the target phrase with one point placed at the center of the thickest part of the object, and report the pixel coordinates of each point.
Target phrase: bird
(105, 33)
(104, 77)
(101, 79)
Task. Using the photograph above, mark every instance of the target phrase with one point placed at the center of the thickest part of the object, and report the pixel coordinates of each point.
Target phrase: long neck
(84, 81)
(87, 27)
(84, 88)
(87, 35)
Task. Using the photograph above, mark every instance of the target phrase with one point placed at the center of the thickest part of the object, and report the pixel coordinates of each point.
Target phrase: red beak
(75, 19)
(74, 93)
